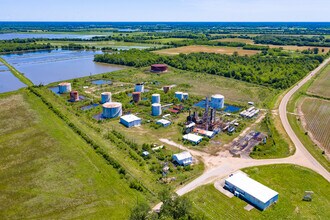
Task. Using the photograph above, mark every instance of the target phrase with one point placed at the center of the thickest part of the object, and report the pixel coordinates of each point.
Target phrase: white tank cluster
(217, 101)
(64, 87)
(105, 97)
(139, 87)
(156, 109)
(112, 109)
(155, 98)
(179, 95)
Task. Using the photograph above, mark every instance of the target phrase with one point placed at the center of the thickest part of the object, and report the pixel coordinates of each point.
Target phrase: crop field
(206, 49)
(321, 85)
(316, 113)
(288, 180)
(47, 171)
(238, 40)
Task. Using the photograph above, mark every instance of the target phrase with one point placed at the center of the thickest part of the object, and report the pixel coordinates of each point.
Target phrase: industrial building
(112, 109)
(250, 190)
(217, 101)
(193, 138)
(156, 109)
(250, 112)
(163, 122)
(184, 158)
(209, 134)
(130, 120)
(159, 68)
(179, 95)
(64, 87)
(155, 98)
(105, 97)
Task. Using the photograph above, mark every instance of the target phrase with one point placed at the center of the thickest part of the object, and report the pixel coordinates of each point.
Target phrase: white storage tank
(105, 97)
(179, 95)
(155, 98)
(217, 101)
(156, 109)
(185, 96)
(64, 87)
(139, 87)
(112, 109)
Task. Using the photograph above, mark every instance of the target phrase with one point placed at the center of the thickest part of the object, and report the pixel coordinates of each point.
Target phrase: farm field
(206, 49)
(166, 40)
(321, 85)
(238, 40)
(289, 181)
(316, 120)
(294, 48)
(47, 171)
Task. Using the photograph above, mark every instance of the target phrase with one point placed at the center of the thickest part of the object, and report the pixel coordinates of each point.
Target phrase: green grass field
(47, 171)
(288, 180)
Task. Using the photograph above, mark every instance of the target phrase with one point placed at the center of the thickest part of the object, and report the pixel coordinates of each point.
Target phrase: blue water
(10, 36)
(44, 67)
(8, 82)
(101, 82)
(88, 107)
(227, 108)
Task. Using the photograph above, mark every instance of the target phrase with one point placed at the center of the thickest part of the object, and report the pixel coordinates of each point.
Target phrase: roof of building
(183, 155)
(204, 132)
(192, 124)
(252, 187)
(163, 121)
(159, 65)
(192, 137)
(130, 118)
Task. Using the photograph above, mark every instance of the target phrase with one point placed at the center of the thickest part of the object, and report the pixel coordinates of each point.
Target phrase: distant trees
(21, 45)
(275, 71)
(292, 40)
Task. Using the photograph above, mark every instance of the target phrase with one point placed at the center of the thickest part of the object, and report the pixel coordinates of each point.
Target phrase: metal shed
(130, 120)
(184, 158)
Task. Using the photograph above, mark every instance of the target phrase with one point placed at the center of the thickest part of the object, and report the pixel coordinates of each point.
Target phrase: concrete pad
(248, 207)
(219, 186)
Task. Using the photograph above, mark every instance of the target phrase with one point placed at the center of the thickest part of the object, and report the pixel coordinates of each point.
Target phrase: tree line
(21, 45)
(277, 72)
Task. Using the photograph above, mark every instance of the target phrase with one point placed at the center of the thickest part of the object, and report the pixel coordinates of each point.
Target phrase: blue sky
(165, 10)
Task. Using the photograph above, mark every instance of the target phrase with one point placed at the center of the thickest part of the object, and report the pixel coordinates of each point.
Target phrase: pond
(101, 82)
(47, 66)
(88, 107)
(8, 82)
(10, 36)
(227, 108)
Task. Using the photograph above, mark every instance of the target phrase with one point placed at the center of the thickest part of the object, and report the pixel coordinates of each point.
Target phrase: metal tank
(156, 109)
(217, 101)
(64, 87)
(74, 96)
(105, 97)
(112, 109)
(139, 87)
(136, 96)
(185, 96)
(179, 95)
(166, 89)
(155, 98)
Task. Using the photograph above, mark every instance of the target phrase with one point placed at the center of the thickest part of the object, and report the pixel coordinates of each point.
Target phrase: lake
(10, 36)
(47, 66)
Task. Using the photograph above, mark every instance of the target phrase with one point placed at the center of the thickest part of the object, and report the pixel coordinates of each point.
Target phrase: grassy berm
(48, 172)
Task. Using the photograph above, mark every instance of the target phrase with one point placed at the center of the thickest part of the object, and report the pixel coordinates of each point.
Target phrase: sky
(164, 10)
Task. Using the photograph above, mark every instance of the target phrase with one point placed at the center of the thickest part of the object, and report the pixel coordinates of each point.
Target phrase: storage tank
(112, 109)
(155, 98)
(179, 95)
(156, 109)
(166, 89)
(217, 101)
(105, 97)
(136, 96)
(185, 96)
(139, 87)
(74, 96)
(64, 87)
